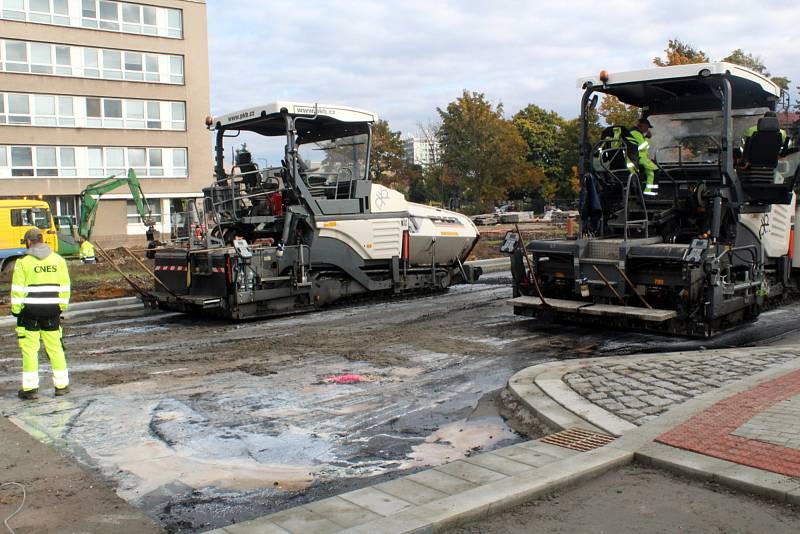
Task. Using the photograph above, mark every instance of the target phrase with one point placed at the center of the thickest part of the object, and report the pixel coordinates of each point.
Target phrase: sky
(403, 59)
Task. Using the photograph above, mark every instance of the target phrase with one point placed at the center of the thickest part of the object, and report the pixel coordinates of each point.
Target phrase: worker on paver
(39, 295)
(639, 137)
(87, 251)
(748, 133)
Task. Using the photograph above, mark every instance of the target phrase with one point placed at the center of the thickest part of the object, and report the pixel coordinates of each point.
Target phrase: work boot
(60, 392)
(650, 190)
(28, 395)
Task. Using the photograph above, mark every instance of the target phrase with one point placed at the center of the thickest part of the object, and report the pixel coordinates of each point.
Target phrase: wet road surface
(201, 424)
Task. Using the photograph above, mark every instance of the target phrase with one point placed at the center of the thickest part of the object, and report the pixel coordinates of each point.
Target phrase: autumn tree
(616, 113)
(680, 53)
(482, 152)
(754, 63)
(387, 157)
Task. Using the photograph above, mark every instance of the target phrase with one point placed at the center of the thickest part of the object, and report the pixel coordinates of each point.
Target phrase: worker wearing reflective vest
(39, 294)
(748, 133)
(87, 251)
(638, 136)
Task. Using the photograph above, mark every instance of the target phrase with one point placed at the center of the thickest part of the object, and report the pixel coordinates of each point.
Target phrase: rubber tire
(8, 269)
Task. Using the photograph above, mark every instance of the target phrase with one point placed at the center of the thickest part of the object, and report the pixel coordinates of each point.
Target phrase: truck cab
(17, 216)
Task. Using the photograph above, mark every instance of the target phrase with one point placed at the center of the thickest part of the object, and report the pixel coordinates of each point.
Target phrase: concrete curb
(90, 309)
(496, 497)
(541, 389)
(445, 496)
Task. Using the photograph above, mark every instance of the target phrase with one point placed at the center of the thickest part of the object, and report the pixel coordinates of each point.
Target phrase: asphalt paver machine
(712, 248)
(310, 231)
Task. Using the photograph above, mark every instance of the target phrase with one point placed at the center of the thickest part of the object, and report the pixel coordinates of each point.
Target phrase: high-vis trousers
(29, 345)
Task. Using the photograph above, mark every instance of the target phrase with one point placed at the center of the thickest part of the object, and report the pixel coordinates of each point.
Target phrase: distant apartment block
(89, 88)
(421, 151)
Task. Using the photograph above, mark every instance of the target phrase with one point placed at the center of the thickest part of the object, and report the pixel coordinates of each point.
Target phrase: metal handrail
(626, 222)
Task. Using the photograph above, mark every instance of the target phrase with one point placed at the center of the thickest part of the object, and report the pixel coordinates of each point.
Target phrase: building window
(153, 115)
(70, 161)
(19, 111)
(14, 9)
(174, 23)
(41, 58)
(44, 161)
(133, 211)
(179, 167)
(106, 15)
(67, 207)
(54, 110)
(176, 69)
(16, 56)
(65, 60)
(112, 64)
(21, 161)
(44, 110)
(67, 166)
(178, 111)
(112, 113)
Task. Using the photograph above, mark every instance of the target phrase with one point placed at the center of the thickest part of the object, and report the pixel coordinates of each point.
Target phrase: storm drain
(577, 439)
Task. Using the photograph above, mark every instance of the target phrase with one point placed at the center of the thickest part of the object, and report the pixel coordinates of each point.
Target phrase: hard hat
(33, 235)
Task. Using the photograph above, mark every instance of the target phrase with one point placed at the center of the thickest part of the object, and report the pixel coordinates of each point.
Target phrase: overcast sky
(403, 59)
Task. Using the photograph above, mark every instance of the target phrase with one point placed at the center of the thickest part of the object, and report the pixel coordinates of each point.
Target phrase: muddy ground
(623, 501)
(201, 424)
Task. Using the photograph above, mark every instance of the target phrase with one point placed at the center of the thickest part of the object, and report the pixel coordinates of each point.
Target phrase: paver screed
(759, 428)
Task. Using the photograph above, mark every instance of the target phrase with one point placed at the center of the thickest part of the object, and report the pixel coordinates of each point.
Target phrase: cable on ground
(21, 505)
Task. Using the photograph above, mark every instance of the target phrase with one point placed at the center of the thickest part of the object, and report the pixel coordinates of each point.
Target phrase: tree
(483, 155)
(570, 139)
(387, 156)
(616, 113)
(541, 130)
(680, 53)
(754, 63)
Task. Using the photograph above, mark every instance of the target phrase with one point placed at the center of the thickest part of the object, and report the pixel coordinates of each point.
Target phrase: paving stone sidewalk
(640, 391)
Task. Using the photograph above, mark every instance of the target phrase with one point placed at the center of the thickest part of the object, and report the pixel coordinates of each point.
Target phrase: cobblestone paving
(641, 391)
(779, 425)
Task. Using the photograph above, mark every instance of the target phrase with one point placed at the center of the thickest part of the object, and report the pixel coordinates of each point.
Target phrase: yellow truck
(17, 216)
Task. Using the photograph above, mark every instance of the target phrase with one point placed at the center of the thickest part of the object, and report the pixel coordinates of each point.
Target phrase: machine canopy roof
(326, 121)
(681, 88)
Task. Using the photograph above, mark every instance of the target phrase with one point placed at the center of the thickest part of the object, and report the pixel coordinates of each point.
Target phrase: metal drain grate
(577, 439)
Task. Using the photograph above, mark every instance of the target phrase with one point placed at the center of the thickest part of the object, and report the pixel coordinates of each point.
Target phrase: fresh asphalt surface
(201, 423)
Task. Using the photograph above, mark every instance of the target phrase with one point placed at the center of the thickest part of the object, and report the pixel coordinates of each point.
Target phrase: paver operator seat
(759, 161)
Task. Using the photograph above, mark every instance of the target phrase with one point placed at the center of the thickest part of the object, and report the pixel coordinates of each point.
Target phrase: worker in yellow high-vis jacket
(87, 251)
(639, 137)
(39, 294)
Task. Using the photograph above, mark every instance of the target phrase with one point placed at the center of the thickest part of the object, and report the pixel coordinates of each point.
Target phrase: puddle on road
(212, 449)
(458, 440)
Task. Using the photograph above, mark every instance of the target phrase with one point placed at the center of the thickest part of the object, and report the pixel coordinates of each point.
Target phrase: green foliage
(553, 146)
(483, 155)
(680, 53)
(387, 157)
(616, 113)
(754, 63)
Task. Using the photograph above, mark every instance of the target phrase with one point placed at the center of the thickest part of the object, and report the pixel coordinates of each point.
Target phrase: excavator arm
(90, 199)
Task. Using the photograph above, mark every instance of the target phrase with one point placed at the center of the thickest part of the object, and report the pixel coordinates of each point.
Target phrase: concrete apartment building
(420, 150)
(89, 88)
